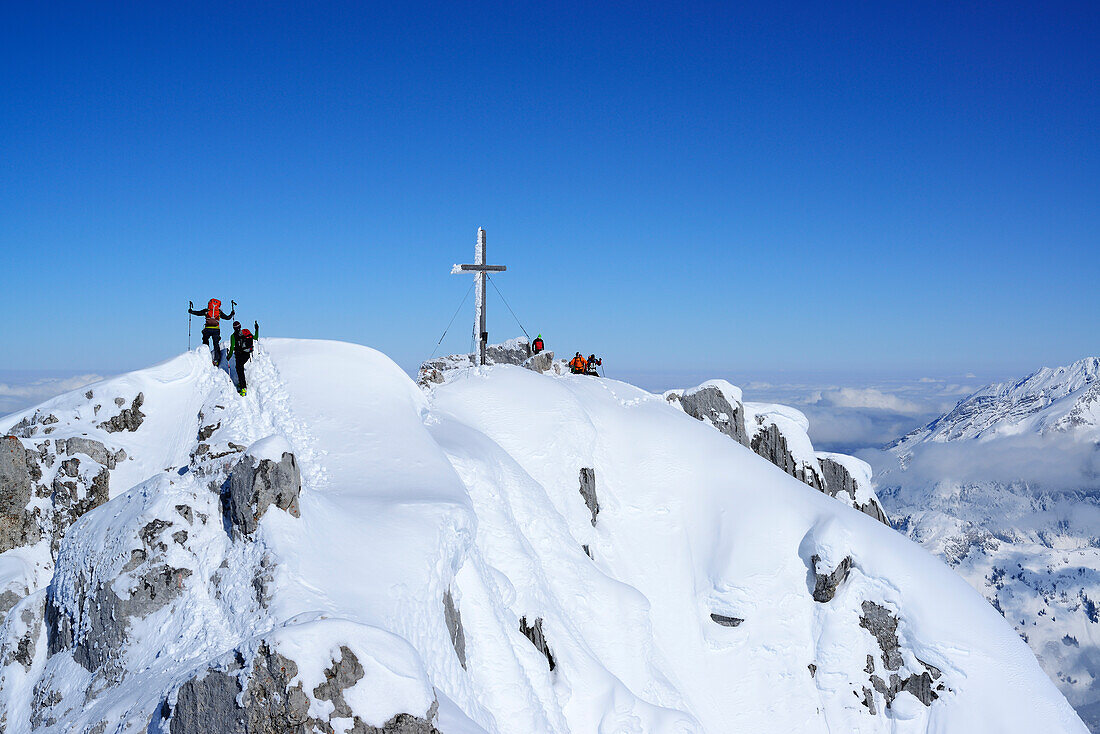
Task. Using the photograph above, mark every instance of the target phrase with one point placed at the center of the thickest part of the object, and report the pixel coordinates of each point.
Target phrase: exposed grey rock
(724, 620)
(71, 498)
(128, 419)
(26, 427)
(870, 666)
(49, 420)
(207, 431)
(838, 479)
(535, 635)
(256, 484)
(813, 670)
(120, 402)
(540, 362)
(216, 701)
(88, 395)
(186, 513)
(514, 351)
(710, 405)
(883, 625)
(826, 584)
(454, 626)
(22, 648)
(8, 599)
(17, 524)
(588, 491)
(869, 700)
(770, 443)
(97, 637)
(91, 448)
(919, 686)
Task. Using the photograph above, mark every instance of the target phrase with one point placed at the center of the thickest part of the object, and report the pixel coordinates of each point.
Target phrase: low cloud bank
(1050, 463)
(19, 394)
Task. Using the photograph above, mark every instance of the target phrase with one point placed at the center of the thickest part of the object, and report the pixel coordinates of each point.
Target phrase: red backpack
(213, 309)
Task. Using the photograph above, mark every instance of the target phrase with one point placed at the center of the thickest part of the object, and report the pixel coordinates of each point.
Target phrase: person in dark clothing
(591, 364)
(241, 344)
(212, 330)
(537, 345)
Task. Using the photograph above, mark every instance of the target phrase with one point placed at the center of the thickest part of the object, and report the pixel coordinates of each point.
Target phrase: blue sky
(730, 189)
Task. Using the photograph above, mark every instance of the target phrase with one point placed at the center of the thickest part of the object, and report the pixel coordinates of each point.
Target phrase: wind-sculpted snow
(509, 552)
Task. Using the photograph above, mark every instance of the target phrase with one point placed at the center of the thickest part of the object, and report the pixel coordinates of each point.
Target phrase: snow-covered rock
(780, 434)
(515, 351)
(1003, 488)
(507, 552)
(266, 475)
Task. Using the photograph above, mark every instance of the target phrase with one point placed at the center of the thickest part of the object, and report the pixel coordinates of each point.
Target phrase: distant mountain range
(1005, 488)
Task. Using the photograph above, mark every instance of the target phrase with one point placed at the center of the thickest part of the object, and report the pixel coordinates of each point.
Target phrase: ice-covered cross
(479, 269)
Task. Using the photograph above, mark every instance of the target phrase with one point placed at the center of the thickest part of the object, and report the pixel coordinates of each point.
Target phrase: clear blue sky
(677, 186)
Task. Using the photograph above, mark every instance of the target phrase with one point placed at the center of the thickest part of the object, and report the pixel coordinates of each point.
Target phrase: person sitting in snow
(577, 365)
(212, 331)
(241, 343)
(591, 364)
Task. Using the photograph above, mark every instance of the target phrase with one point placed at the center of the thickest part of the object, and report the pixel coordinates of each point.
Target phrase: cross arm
(478, 269)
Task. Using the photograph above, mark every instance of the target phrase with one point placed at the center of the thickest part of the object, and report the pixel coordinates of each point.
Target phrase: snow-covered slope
(1004, 488)
(509, 552)
(1063, 399)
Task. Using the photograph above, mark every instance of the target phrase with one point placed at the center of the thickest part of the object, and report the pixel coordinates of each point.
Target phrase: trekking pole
(192, 305)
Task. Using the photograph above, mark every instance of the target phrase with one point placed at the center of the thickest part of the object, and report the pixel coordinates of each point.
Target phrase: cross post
(479, 269)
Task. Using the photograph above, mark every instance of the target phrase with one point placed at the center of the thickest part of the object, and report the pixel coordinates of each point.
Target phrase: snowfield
(507, 551)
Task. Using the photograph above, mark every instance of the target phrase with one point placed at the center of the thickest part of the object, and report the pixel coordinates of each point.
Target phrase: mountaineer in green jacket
(240, 344)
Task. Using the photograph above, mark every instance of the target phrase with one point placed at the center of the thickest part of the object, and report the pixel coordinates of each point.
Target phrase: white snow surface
(473, 487)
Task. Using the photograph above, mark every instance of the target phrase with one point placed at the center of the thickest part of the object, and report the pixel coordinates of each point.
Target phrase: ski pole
(190, 306)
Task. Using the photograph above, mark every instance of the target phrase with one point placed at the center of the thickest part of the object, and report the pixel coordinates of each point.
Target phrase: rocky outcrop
(710, 405)
(95, 624)
(725, 621)
(588, 491)
(883, 626)
(538, 639)
(17, 524)
(838, 480)
(128, 419)
(256, 484)
(770, 443)
(91, 448)
(515, 351)
(826, 584)
(454, 627)
(541, 362)
(266, 701)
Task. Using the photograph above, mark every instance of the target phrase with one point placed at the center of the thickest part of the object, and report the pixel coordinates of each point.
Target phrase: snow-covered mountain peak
(509, 551)
(1050, 399)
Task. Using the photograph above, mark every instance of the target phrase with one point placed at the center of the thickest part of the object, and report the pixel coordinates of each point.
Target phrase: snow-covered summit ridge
(509, 551)
(1062, 399)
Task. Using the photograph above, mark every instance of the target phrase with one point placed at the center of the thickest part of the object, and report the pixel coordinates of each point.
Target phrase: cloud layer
(18, 394)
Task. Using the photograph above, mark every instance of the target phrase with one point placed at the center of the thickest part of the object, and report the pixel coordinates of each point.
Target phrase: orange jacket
(578, 364)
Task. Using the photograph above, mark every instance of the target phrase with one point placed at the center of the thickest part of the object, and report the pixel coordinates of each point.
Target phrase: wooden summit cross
(479, 269)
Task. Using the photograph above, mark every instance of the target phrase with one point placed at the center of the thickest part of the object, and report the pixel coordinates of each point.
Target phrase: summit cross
(479, 269)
